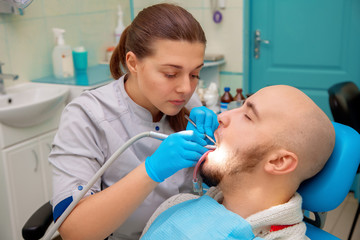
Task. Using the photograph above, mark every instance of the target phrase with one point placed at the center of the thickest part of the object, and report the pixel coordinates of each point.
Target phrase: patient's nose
(224, 119)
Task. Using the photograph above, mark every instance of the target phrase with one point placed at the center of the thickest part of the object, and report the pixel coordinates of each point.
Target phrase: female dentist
(161, 54)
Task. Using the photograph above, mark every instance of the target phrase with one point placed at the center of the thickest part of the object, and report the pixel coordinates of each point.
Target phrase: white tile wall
(26, 42)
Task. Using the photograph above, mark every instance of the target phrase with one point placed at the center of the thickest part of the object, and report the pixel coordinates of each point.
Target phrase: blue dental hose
(98, 174)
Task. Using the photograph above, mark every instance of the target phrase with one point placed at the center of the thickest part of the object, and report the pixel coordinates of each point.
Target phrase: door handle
(257, 43)
(36, 160)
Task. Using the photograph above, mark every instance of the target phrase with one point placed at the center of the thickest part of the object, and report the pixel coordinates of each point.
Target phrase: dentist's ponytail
(118, 58)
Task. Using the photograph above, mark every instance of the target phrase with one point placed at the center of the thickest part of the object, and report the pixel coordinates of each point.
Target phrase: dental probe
(161, 136)
(77, 197)
(187, 118)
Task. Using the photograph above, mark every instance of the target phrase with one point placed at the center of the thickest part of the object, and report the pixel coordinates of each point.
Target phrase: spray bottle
(62, 56)
(120, 27)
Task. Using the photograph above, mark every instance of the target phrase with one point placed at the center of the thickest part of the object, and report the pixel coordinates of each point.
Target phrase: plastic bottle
(225, 99)
(120, 27)
(211, 97)
(62, 56)
(239, 96)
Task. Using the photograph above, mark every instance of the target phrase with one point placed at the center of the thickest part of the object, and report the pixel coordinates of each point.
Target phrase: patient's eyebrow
(252, 107)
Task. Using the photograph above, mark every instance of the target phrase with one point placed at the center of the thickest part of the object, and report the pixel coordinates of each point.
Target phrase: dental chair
(322, 193)
(344, 101)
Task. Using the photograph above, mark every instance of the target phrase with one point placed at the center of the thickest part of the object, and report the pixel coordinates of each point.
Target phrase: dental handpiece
(207, 136)
(162, 136)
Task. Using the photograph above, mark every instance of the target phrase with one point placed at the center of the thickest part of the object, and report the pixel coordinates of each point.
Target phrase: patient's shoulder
(179, 198)
(172, 201)
(216, 194)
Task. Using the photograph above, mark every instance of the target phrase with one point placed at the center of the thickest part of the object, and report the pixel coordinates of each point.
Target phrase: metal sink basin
(30, 104)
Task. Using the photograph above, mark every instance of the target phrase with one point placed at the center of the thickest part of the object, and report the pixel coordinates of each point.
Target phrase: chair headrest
(344, 101)
(344, 89)
(328, 189)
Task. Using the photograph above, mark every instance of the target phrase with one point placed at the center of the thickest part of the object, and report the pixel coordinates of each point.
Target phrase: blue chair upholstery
(328, 189)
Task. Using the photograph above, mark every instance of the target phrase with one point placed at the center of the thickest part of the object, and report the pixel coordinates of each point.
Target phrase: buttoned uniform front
(93, 126)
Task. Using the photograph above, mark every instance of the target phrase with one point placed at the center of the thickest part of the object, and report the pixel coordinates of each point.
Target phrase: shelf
(213, 63)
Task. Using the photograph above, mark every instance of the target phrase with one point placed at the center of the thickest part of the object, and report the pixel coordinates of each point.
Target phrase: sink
(29, 104)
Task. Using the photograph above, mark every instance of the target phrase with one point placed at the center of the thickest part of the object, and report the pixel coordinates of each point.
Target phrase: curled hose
(197, 182)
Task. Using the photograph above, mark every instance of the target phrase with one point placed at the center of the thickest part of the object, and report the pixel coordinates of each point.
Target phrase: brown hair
(160, 21)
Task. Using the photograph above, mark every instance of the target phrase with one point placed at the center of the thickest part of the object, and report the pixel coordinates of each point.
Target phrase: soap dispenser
(62, 56)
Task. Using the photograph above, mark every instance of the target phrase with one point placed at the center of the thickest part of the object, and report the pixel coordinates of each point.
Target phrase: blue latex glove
(205, 120)
(179, 150)
(199, 219)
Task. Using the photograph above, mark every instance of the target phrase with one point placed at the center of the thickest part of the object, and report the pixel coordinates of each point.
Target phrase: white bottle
(120, 27)
(211, 97)
(62, 56)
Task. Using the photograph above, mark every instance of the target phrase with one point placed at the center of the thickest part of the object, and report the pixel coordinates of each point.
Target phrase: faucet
(5, 76)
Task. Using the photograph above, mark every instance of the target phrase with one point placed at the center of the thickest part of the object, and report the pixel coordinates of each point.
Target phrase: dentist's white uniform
(92, 128)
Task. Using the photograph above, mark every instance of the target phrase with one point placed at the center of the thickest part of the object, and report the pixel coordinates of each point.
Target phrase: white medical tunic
(93, 126)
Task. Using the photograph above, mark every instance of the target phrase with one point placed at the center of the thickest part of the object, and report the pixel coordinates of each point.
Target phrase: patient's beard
(236, 163)
(213, 170)
(211, 177)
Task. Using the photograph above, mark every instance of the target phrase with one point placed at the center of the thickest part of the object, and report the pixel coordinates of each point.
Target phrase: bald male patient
(265, 149)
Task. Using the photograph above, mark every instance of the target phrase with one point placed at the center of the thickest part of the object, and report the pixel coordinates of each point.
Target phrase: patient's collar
(286, 214)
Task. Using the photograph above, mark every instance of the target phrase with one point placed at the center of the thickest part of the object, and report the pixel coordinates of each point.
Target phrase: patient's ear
(131, 62)
(281, 162)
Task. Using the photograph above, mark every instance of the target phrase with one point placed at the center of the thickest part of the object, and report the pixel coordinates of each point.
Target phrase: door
(307, 44)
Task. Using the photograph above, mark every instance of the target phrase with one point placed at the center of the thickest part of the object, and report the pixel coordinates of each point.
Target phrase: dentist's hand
(205, 120)
(179, 150)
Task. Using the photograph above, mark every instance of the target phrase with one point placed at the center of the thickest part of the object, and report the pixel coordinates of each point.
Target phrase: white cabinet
(45, 148)
(27, 176)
